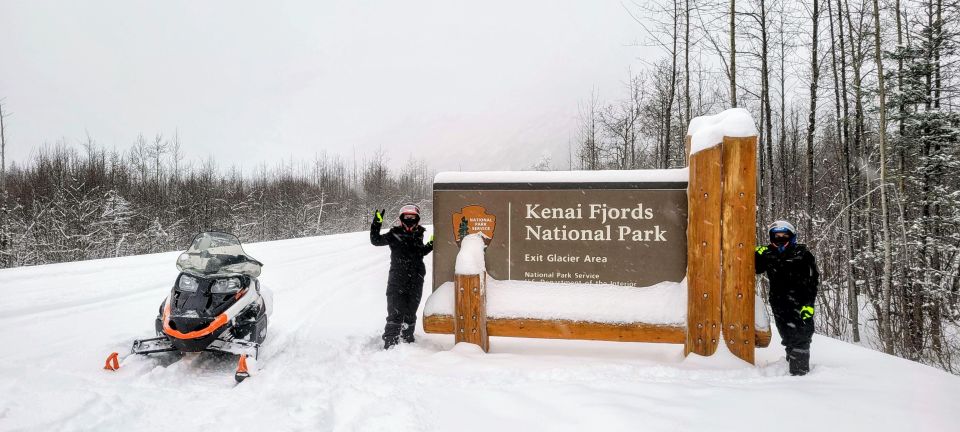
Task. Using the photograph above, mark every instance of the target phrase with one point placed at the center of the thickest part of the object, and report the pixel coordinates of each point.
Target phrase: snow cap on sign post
(708, 131)
(470, 259)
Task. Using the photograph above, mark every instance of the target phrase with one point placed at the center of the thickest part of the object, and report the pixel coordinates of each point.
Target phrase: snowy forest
(856, 103)
(857, 108)
(69, 204)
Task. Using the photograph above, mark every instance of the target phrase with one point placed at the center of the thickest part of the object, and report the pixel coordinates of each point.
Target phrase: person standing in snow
(405, 281)
(794, 278)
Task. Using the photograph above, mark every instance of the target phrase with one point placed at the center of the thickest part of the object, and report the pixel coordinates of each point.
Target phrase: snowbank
(722, 359)
(609, 176)
(708, 131)
(663, 303)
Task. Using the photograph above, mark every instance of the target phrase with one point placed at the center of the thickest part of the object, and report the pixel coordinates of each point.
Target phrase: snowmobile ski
(152, 345)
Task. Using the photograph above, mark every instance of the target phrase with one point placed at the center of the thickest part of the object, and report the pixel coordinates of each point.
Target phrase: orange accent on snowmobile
(112, 362)
(240, 294)
(217, 323)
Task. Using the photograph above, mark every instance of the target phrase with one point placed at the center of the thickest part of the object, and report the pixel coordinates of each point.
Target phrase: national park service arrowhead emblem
(473, 219)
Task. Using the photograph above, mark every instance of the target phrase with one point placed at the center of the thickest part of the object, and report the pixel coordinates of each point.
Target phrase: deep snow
(322, 368)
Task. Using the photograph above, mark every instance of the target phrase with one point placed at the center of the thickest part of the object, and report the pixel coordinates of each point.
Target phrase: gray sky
(468, 85)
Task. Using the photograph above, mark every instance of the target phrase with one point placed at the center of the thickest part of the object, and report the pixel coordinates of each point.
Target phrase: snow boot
(795, 367)
(406, 332)
(799, 360)
(391, 335)
(390, 342)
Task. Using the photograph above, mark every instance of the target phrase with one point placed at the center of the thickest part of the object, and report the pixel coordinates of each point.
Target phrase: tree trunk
(901, 107)
(812, 120)
(733, 53)
(6, 258)
(672, 90)
(854, 143)
(785, 191)
(856, 60)
(853, 308)
(884, 212)
(686, 61)
(765, 107)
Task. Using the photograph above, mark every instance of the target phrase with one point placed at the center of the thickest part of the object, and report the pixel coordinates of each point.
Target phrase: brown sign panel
(627, 234)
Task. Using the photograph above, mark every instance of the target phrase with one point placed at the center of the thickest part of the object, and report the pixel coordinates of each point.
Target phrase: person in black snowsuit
(405, 281)
(794, 278)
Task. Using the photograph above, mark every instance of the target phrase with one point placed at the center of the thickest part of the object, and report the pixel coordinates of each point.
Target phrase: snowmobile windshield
(217, 254)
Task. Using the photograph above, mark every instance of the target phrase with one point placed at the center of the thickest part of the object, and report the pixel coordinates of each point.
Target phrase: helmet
(780, 227)
(409, 216)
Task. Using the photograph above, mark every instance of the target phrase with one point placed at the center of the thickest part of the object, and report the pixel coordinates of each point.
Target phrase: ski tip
(240, 376)
(113, 362)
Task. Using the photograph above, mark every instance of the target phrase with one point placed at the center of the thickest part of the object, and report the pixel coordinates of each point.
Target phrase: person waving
(794, 278)
(405, 280)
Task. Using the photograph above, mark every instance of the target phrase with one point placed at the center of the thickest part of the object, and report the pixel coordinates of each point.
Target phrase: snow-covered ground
(322, 369)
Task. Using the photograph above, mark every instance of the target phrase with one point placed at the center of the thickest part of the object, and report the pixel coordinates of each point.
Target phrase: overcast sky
(465, 85)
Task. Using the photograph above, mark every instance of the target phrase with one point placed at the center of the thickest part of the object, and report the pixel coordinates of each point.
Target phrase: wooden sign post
(720, 266)
(703, 252)
(739, 227)
(470, 314)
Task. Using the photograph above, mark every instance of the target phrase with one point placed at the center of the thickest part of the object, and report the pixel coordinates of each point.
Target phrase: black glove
(378, 216)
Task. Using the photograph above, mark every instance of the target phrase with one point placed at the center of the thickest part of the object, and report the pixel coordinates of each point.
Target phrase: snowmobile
(216, 304)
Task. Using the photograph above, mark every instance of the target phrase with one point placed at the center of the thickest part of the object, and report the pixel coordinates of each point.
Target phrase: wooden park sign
(596, 230)
(626, 228)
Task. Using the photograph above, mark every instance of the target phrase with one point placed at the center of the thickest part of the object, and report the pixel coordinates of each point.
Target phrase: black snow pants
(404, 290)
(796, 335)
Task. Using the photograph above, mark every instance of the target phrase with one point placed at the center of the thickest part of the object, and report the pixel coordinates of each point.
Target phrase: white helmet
(410, 209)
(782, 226)
(409, 216)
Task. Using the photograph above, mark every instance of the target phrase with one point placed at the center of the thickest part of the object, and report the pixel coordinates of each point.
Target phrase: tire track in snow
(79, 305)
(297, 339)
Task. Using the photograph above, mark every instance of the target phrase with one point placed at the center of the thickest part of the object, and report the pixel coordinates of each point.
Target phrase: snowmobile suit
(405, 280)
(794, 279)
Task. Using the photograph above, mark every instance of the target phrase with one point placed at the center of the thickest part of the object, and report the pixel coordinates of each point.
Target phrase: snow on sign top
(610, 176)
(708, 131)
